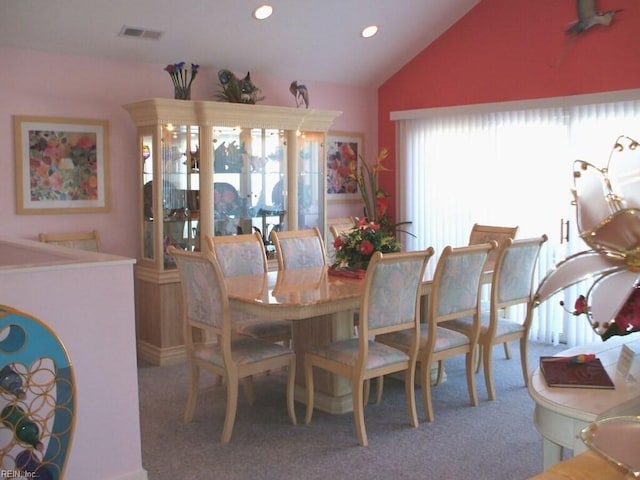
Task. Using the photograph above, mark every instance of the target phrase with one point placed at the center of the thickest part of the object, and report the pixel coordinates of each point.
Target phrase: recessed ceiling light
(262, 12)
(369, 31)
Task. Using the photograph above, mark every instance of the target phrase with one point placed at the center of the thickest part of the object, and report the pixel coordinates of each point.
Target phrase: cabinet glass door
(311, 180)
(249, 180)
(174, 199)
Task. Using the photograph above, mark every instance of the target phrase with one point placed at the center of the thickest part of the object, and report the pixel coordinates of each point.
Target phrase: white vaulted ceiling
(309, 40)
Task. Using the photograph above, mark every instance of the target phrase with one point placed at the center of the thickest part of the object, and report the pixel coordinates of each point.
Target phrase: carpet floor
(495, 440)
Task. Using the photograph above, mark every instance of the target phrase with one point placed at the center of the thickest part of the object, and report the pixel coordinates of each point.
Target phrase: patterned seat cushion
(446, 338)
(347, 351)
(505, 326)
(244, 351)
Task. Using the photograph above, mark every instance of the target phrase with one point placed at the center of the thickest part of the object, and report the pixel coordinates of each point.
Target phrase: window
(508, 164)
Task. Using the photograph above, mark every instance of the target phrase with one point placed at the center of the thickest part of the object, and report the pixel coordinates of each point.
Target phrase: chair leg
(380, 389)
(524, 360)
(440, 373)
(425, 384)
(232, 405)
(410, 393)
(291, 383)
(247, 385)
(471, 377)
(308, 375)
(480, 354)
(507, 351)
(488, 371)
(193, 393)
(357, 390)
(367, 391)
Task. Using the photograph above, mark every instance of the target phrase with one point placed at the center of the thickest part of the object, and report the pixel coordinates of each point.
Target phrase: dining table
(320, 306)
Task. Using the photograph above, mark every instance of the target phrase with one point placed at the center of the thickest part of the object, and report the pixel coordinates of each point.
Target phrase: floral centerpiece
(376, 231)
(182, 78)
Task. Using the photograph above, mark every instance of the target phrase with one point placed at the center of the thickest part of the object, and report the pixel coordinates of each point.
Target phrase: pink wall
(36, 83)
(505, 50)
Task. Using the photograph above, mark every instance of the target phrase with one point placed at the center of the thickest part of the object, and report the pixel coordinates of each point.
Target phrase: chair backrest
(89, 241)
(390, 301)
(204, 294)
(456, 282)
(486, 233)
(513, 278)
(339, 225)
(299, 248)
(239, 254)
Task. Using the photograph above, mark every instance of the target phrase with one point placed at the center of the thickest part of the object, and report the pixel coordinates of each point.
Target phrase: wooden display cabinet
(214, 168)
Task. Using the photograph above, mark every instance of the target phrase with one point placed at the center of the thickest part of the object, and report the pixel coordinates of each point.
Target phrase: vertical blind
(508, 164)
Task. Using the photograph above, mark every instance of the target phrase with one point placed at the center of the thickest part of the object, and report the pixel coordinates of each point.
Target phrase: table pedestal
(332, 392)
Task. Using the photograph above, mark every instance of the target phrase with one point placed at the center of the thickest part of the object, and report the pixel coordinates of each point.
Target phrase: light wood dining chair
(89, 241)
(390, 303)
(299, 248)
(245, 255)
(455, 293)
(485, 233)
(339, 225)
(512, 284)
(206, 314)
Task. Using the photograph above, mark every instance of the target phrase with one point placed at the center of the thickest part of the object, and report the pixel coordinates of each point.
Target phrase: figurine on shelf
(300, 93)
(236, 90)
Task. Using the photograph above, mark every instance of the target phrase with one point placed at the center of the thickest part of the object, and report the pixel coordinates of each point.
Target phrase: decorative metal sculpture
(607, 201)
(37, 398)
(237, 90)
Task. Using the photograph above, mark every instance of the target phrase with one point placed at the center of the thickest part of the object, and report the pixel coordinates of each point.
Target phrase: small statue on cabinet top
(300, 93)
(236, 90)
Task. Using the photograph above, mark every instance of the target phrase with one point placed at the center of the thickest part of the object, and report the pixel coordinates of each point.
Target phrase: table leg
(332, 392)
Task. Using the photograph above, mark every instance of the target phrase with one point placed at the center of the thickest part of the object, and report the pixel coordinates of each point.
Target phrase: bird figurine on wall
(588, 16)
(300, 93)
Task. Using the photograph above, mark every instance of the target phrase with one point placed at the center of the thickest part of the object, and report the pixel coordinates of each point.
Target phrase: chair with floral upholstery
(483, 234)
(486, 233)
(512, 284)
(455, 293)
(337, 226)
(390, 303)
(299, 248)
(89, 241)
(206, 314)
(245, 255)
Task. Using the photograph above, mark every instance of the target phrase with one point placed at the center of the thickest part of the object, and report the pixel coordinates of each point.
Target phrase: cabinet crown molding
(223, 114)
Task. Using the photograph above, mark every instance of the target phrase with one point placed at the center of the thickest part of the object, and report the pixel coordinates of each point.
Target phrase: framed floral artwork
(344, 150)
(62, 165)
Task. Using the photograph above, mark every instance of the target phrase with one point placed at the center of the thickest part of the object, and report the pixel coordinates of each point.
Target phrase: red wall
(505, 50)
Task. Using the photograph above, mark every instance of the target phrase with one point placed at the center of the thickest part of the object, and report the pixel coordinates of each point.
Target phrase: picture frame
(344, 151)
(62, 165)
